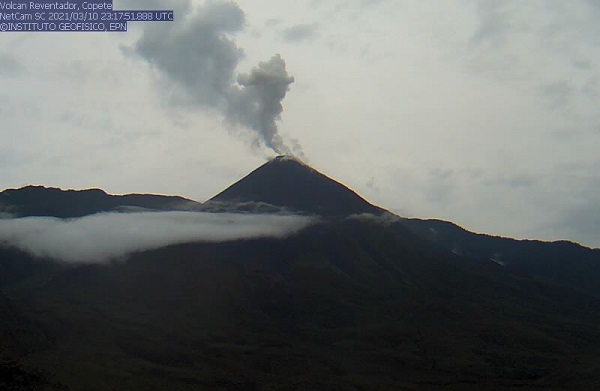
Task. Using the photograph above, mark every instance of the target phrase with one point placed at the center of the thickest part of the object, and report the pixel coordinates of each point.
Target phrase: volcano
(288, 183)
(355, 301)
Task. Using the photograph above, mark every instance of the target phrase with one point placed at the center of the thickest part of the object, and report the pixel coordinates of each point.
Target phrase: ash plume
(197, 58)
(257, 102)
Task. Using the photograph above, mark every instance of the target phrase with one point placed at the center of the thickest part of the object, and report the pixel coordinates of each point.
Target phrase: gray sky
(481, 112)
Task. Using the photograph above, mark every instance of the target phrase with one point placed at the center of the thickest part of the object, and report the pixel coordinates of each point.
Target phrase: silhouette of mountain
(353, 302)
(289, 183)
(560, 262)
(48, 201)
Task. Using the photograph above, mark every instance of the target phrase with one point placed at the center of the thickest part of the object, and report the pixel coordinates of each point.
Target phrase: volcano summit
(287, 182)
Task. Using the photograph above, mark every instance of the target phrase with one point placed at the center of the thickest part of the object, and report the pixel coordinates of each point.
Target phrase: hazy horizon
(482, 113)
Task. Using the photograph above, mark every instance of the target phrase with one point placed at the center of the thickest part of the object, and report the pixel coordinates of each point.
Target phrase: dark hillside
(49, 201)
(346, 304)
(562, 262)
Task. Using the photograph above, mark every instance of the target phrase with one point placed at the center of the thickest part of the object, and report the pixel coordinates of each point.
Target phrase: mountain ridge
(355, 301)
(35, 200)
(566, 262)
(287, 182)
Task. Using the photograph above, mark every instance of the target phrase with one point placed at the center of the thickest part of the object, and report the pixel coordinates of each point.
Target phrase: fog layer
(106, 236)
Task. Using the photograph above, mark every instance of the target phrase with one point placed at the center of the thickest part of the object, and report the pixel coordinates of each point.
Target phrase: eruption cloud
(257, 103)
(198, 57)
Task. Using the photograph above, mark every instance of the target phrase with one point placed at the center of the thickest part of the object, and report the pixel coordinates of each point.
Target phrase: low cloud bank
(106, 236)
(383, 218)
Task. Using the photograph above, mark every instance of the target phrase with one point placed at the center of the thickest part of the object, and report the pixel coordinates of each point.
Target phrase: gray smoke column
(257, 103)
(196, 58)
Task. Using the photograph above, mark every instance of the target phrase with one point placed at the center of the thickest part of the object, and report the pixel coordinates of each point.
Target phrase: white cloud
(106, 236)
(301, 32)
